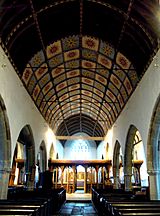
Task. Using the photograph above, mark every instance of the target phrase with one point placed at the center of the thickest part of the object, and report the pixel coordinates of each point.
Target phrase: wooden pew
(22, 207)
(120, 208)
(24, 197)
(100, 196)
(130, 208)
(109, 204)
(17, 211)
(27, 204)
(51, 199)
(141, 214)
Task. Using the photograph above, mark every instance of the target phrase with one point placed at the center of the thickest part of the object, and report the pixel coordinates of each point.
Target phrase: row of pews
(118, 202)
(33, 203)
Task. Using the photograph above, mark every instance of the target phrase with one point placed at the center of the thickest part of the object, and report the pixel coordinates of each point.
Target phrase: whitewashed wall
(138, 110)
(21, 109)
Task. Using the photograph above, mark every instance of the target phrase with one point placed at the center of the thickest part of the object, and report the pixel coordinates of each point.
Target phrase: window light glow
(80, 150)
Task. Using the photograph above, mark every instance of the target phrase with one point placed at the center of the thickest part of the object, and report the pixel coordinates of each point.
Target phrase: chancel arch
(153, 153)
(5, 150)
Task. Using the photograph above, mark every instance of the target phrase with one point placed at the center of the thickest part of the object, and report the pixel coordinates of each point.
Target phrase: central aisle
(78, 208)
(78, 203)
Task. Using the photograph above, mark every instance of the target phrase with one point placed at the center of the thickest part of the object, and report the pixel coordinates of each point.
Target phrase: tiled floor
(77, 208)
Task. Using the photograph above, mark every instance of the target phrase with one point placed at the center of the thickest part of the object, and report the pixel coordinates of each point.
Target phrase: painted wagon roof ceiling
(80, 60)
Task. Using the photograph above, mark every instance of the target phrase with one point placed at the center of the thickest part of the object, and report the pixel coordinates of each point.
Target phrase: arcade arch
(42, 157)
(153, 155)
(23, 163)
(118, 174)
(134, 157)
(41, 164)
(5, 153)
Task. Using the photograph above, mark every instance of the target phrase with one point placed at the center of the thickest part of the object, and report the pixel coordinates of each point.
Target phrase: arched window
(80, 150)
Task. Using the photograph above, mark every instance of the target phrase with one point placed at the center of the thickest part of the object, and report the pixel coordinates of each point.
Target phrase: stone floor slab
(78, 209)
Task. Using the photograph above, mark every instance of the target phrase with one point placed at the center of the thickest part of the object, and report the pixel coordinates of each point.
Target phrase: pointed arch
(26, 138)
(134, 159)
(153, 144)
(128, 149)
(5, 137)
(5, 150)
(153, 152)
(116, 163)
(128, 156)
(43, 156)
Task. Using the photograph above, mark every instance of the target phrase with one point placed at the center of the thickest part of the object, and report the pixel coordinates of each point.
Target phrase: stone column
(154, 186)
(4, 178)
(116, 178)
(85, 179)
(128, 182)
(30, 178)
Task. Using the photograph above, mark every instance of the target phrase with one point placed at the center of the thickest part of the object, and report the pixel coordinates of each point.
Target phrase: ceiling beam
(79, 137)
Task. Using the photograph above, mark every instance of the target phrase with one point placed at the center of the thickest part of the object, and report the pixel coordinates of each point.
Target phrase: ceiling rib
(80, 60)
(116, 51)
